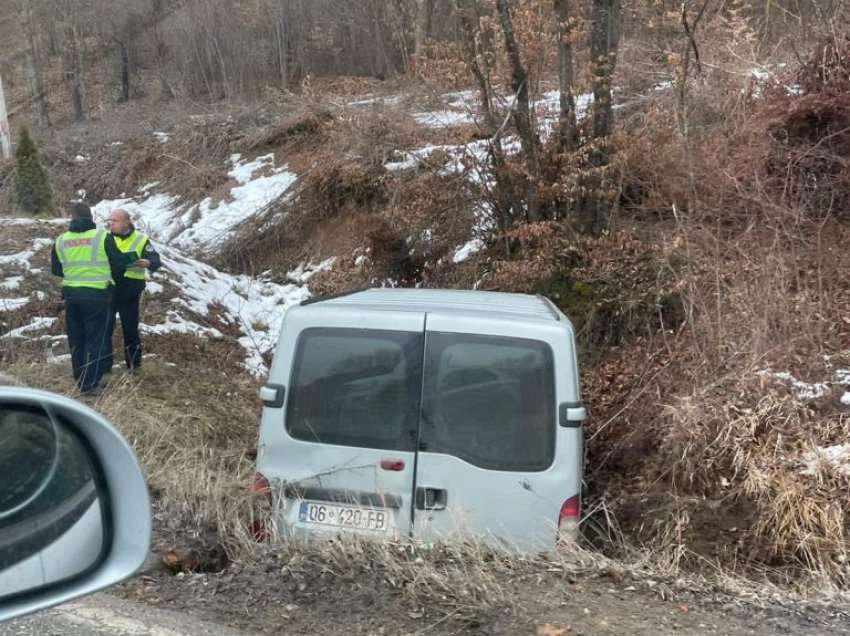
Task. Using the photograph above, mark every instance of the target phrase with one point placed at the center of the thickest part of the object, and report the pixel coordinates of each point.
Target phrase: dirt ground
(258, 599)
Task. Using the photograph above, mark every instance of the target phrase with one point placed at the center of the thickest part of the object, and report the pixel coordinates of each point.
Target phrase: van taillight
(261, 484)
(570, 510)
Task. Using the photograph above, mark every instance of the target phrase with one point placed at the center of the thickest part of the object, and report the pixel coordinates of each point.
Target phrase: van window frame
(406, 442)
(552, 408)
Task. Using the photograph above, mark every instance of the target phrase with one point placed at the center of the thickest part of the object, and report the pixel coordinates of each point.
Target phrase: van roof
(448, 300)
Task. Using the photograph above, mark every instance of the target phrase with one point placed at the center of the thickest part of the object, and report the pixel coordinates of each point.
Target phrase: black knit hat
(80, 210)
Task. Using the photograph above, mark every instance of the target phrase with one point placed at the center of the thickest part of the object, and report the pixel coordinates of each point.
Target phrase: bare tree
(40, 106)
(521, 109)
(5, 131)
(479, 50)
(121, 26)
(160, 49)
(281, 30)
(567, 115)
(604, 40)
(71, 14)
(692, 13)
(423, 16)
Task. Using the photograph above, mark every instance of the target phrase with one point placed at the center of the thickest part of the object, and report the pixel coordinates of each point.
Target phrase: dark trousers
(128, 310)
(86, 323)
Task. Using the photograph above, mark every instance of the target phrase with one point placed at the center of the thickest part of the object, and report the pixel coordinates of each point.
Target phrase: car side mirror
(74, 508)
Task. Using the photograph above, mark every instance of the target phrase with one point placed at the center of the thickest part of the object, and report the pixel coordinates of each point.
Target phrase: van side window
(356, 387)
(490, 401)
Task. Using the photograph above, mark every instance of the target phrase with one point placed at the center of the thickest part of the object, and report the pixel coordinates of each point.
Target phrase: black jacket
(129, 287)
(118, 263)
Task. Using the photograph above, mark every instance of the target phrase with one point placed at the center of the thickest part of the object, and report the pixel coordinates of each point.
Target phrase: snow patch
(836, 457)
(175, 323)
(60, 359)
(244, 172)
(842, 376)
(205, 224)
(255, 305)
(467, 250)
(11, 283)
(802, 390)
(845, 399)
(162, 137)
(23, 258)
(443, 118)
(550, 103)
(304, 272)
(153, 287)
(390, 100)
(810, 391)
(11, 304)
(37, 324)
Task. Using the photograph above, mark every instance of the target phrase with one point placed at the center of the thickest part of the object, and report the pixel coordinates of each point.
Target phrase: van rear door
(493, 462)
(343, 458)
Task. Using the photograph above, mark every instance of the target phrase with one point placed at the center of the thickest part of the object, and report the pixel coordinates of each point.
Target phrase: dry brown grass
(194, 431)
(699, 454)
(347, 205)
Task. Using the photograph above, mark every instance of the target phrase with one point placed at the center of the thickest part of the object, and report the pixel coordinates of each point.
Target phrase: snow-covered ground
(204, 225)
(836, 457)
(24, 257)
(254, 305)
(39, 323)
(806, 391)
(183, 231)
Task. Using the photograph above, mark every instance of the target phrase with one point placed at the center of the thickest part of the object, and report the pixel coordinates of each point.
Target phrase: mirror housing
(125, 514)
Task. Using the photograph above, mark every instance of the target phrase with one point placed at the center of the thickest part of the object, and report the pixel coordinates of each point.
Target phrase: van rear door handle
(572, 414)
(431, 498)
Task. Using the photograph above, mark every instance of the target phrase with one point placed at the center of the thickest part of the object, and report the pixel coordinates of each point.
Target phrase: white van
(424, 414)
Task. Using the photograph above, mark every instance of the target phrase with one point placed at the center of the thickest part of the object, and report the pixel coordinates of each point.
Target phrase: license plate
(346, 517)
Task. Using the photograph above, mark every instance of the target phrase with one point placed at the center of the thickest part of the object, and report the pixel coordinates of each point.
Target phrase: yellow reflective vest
(135, 242)
(84, 260)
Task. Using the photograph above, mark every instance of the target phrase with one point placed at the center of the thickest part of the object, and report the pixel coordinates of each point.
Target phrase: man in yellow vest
(129, 287)
(88, 260)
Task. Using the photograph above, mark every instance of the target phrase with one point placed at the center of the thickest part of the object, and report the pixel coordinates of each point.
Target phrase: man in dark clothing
(129, 287)
(88, 260)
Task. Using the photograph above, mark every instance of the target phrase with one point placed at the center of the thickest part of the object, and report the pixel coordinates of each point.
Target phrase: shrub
(32, 186)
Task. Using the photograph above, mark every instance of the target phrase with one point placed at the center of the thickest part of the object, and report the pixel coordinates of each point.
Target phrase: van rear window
(490, 401)
(356, 387)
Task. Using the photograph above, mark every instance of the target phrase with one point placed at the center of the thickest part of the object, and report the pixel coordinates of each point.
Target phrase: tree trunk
(166, 93)
(124, 54)
(508, 204)
(40, 107)
(567, 115)
(73, 70)
(5, 132)
(282, 45)
(593, 213)
(423, 12)
(521, 110)
(52, 38)
(604, 39)
(689, 28)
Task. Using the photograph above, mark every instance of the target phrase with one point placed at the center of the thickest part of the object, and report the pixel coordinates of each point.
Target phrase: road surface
(103, 615)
